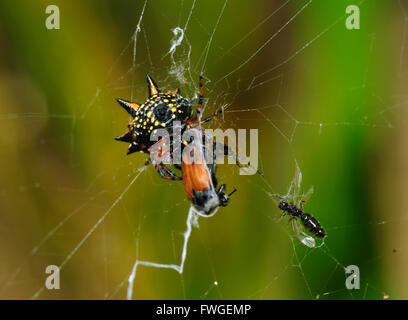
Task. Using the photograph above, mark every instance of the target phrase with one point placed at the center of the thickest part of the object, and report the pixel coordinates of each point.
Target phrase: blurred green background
(332, 99)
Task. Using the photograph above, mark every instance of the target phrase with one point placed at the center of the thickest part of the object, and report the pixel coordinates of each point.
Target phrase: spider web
(125, 240)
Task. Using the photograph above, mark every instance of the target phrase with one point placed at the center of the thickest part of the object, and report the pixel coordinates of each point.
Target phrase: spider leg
(165, 173)
(221, 188)
(199, 106)
(148, 161)
(301, 202)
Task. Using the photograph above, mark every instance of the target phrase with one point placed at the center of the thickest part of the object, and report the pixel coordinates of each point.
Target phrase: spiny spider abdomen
(159, 111)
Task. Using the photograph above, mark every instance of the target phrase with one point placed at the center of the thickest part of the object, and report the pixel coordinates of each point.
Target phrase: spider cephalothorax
(159, 111)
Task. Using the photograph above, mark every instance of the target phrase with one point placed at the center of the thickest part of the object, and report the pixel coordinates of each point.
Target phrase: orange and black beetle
(200, 181)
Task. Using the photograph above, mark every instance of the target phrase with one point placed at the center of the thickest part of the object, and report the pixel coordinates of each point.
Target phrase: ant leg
(155, 152)
(199, 109)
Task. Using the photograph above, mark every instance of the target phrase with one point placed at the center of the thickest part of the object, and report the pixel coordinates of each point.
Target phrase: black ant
(309, 222)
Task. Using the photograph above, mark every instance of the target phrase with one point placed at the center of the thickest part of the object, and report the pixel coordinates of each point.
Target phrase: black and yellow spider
(159, 111)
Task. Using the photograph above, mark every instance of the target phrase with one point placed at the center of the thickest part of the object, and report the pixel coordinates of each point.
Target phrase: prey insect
(308, 221)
